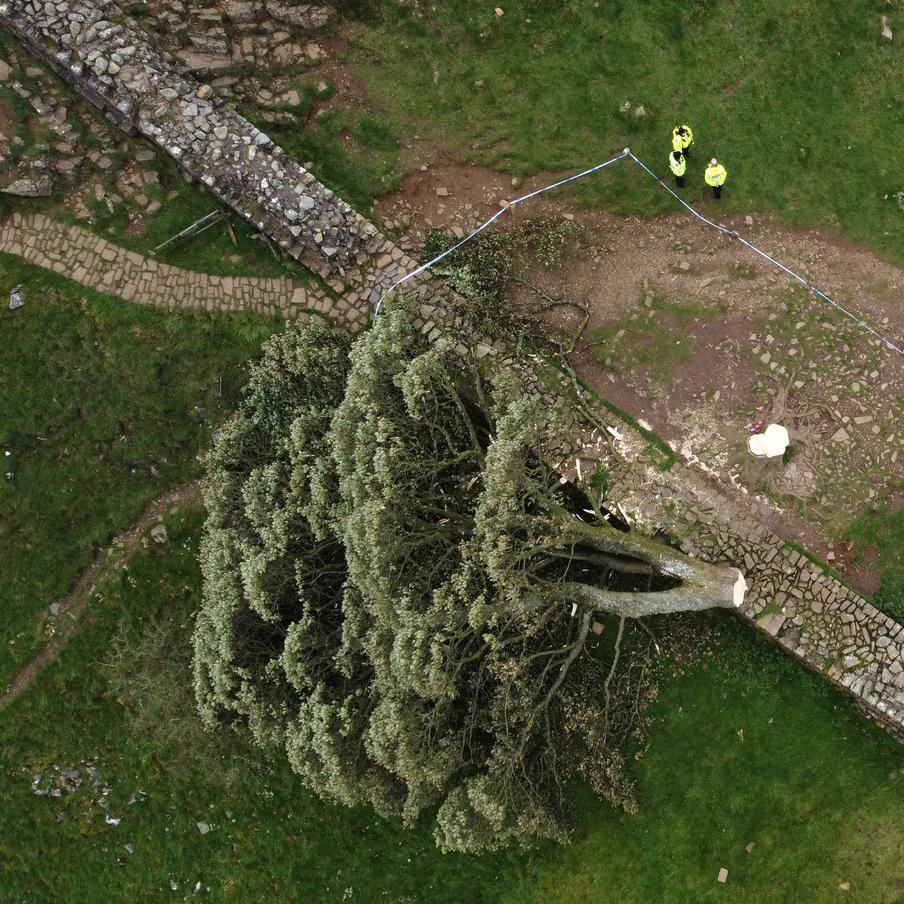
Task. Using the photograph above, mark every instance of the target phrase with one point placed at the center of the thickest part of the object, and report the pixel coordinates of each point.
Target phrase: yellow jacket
(680, 142)
(715, 175)
(678, 167)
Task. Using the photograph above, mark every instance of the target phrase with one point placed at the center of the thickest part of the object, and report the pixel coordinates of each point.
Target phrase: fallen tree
(400, 592)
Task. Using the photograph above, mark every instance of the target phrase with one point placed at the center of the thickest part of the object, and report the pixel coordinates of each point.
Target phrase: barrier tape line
(594, 169)
(772, 260)
(492, 219)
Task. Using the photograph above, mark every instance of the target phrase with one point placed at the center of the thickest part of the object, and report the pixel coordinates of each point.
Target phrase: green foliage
(120, 700)
(387, 565)
(483, 268)
(809, 768)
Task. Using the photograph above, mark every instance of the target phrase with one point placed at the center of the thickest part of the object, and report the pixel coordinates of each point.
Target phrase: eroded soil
(707, 343)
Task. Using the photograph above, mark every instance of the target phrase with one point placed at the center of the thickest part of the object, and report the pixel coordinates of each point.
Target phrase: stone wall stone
(98, 49)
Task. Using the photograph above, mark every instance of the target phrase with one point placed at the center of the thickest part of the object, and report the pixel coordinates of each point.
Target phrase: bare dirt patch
(708, 342)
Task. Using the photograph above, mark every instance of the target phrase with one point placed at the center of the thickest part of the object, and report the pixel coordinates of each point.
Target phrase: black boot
(679, 181)
(717, 191)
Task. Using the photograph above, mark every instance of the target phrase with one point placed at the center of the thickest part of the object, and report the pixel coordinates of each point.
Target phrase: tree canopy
(399, 590)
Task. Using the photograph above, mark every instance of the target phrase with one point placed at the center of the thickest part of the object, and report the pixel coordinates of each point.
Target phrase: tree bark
(703, 586)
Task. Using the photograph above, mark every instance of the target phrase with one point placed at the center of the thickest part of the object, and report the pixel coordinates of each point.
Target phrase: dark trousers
(687, 152)
(717, 191)
(679, 181)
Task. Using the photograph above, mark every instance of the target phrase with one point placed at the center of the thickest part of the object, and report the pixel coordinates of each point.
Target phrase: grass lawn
(105, 405)
(746, 747)
(884, 530)
(801, 105)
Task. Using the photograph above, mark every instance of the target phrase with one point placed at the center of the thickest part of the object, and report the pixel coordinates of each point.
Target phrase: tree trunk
(703, 586)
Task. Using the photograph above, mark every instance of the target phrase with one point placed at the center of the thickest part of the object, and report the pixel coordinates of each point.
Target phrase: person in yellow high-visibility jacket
(682, 139)
(678, 166)
(715, 177)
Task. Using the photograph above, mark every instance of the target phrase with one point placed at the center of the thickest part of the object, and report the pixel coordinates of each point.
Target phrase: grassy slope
(810, 783)
(105, 405)
(800, 105)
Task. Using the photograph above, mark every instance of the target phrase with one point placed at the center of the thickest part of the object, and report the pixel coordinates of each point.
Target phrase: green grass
(811, 783)
(801, 106)
(884, 530)
(105, 405)
(353, 153)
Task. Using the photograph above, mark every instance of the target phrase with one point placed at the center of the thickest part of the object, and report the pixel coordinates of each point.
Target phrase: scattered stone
(38, 187)
(306, 16)
(723, 875)
(442, 192)
(159, 534)
(499, 11)
(748, 220)
(203, 827)
(239, 11)
(750, 846)
(840, 436)
(845, 886)
(5, 70)
(886, 29)
(16, 298)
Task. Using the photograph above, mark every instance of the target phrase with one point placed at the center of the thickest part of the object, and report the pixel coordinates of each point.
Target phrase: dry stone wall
(113, 63)
(795, 600)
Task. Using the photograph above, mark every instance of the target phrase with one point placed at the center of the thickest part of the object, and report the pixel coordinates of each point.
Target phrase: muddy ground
(707, 343)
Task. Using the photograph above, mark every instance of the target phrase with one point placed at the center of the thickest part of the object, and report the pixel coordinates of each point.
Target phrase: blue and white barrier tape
(679, 199)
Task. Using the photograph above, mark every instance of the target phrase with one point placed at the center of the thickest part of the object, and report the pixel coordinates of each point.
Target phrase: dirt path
(702, 339)
(73, 605)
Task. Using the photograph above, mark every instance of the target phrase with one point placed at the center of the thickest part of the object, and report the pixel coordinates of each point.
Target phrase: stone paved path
(93, 261)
